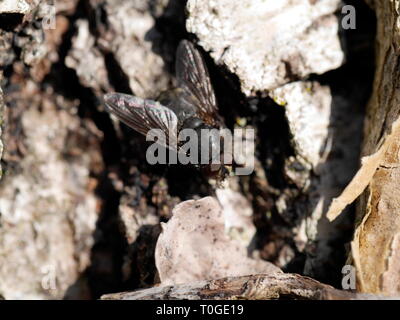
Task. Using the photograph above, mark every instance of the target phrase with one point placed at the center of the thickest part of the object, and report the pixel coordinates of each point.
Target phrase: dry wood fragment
(252, 287)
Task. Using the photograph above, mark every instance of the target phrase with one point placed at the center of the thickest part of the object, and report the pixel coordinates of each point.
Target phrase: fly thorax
(209, 140)
(193, 123)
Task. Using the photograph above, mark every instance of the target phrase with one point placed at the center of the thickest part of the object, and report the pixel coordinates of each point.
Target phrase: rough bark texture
(376, 243)
(48, 208)
(82, 210)
(375, 248)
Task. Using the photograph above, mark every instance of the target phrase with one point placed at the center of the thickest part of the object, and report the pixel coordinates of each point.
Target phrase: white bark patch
(268, 43)
(194, 246)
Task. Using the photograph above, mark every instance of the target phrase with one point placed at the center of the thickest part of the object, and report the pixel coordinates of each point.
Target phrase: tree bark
(376, 246)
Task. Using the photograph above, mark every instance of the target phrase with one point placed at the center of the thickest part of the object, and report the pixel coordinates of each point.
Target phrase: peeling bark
(375, 246)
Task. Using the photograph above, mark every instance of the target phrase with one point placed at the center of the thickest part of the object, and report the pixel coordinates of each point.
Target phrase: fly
(191, 106)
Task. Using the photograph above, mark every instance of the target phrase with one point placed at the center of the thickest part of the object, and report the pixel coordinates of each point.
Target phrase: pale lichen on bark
(266, 60)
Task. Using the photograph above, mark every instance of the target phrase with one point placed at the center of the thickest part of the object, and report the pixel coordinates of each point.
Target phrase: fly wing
(144, 115)
(194, 80)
